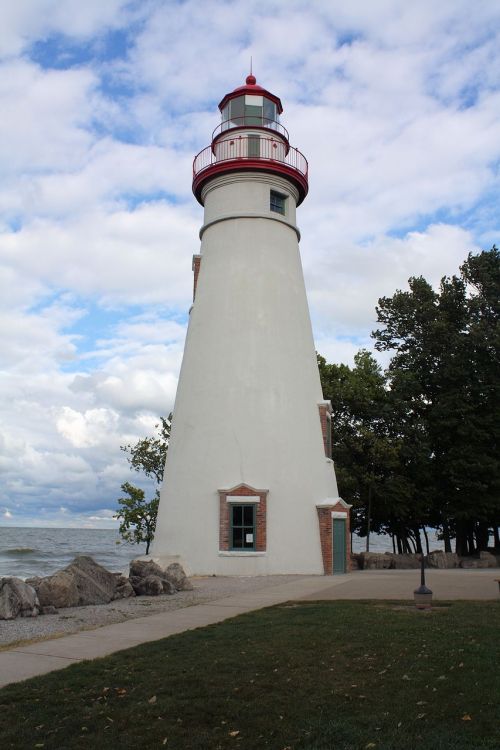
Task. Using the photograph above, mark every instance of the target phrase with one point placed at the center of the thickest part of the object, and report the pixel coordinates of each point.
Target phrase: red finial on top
(251, 79)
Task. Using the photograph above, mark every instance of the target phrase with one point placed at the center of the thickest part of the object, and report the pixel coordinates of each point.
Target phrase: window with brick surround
(243, 531)
(242, 526)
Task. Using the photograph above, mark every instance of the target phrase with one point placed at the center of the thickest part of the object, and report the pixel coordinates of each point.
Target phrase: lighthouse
(249, 485)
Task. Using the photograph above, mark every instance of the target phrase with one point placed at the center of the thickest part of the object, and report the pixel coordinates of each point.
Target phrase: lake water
(27, 552)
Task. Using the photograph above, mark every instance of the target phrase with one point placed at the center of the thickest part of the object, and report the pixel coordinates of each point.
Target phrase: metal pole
(422, 595)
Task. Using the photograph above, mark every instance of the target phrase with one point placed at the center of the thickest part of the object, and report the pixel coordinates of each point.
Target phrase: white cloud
(88, 428)
(25, 21)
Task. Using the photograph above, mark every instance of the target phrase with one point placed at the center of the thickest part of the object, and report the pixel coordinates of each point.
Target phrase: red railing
(250, 148)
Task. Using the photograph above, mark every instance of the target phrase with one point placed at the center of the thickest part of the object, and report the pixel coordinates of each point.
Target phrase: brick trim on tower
(245, 492)
(325, 410)
(325, 519)
(196, 265)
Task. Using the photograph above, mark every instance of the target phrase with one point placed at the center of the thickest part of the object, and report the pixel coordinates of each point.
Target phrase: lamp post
(422, 595)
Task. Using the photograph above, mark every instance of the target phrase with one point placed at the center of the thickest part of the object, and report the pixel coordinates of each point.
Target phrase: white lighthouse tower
(249, 486)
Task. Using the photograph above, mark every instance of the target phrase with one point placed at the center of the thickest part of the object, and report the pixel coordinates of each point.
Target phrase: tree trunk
(482, 536)
(446, 537)
(470, 537)
(400, 546)
(393, 544)
(418, 541)
(368, 517)
(412, 543)
(461, 542)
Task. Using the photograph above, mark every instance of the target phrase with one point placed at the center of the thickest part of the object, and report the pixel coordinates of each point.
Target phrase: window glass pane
(243, 526)
(238, 538)
(237, 515)
(225, 113)
(253, 115)
(238, 109)
(277, 202)
(269, 110)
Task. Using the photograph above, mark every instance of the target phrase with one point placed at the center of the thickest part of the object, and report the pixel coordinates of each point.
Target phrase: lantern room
(251, 106)
(250, 137)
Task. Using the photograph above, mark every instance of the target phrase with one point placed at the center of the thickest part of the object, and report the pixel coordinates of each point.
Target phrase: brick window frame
(326, 515)
(243, 494)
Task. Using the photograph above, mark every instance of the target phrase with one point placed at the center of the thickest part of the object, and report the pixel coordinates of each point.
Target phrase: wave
(15, 551)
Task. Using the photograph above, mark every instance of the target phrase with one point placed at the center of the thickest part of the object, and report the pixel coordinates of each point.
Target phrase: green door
(339, 549)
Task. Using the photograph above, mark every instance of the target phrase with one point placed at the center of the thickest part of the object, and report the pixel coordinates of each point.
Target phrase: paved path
(23, 662)
(400, 584)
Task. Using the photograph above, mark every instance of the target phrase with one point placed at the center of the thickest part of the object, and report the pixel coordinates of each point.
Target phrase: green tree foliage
(138, 515)
(444, 373)
(368, 451)
(417, 446)
(148, 455)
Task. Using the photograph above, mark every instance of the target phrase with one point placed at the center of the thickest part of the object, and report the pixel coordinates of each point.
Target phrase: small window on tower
(278, 202)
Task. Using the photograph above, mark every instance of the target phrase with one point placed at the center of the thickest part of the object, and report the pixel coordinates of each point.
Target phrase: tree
(444, 371)
(366, 450)
(147, 456)
(138, 517)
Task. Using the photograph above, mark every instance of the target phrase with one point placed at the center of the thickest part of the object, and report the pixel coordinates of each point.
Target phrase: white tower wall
(246, 409)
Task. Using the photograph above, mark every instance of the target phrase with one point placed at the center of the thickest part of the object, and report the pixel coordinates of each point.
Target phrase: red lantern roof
(251, 87)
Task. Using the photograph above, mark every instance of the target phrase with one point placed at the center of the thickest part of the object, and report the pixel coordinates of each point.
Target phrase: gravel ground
(74, 619)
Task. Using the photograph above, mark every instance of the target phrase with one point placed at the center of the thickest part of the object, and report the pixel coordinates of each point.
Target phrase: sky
(104, 104)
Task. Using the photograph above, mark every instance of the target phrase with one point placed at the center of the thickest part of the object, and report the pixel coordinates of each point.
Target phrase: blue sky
(104, 105)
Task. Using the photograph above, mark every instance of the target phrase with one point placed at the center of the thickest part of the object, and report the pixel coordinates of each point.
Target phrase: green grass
(309, 676)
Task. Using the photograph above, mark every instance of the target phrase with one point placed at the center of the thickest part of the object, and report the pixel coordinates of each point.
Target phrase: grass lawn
(308, 676)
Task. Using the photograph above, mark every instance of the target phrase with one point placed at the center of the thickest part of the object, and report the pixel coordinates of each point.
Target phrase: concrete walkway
(400, 584)
(23, 662)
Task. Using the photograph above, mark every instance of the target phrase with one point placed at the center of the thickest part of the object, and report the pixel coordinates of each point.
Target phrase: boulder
(144, 568)
(175, 574)
(95, 584)
(151, 585)
(58, 590)
(443, 560)
(355, 561)
(406, 562)
(173, 577)
(473, 562)
(374, 560)
(82, 582)
(17, 598)
(489, 558)
(124, 588)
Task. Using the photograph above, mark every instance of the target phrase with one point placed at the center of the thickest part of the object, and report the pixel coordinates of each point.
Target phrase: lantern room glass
(250, 111)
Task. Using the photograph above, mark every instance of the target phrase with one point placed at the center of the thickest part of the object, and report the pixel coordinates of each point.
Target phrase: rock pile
(85, 582)
(436, 559)
(147, 578)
